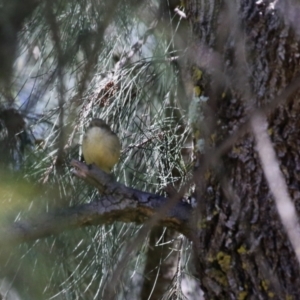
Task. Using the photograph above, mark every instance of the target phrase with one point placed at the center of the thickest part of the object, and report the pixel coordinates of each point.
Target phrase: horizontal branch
(116, 203)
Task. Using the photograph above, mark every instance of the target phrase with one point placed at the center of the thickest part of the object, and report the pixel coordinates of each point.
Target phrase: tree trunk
(161, 265)
(248, 52)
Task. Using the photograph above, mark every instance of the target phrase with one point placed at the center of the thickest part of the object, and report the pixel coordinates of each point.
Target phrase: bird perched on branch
(101, 146)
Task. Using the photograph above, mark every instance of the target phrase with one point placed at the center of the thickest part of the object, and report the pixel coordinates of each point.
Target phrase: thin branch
(118, 203)
(13, 15)
(61, 61)
(136, 47)
(285, 206)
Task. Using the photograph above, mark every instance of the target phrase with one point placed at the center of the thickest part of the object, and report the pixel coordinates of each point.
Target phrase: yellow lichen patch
(236, 150)
(207, 175)
(219, 277)
(223, 95)
(265, 285)
(215, 212)
(270, 131)
(197, 74)
(224, 260)
(242, 295)
(201, 225)
(210, 258)
(213, 138)
(197, 90)
(242, 250)
(244, 266)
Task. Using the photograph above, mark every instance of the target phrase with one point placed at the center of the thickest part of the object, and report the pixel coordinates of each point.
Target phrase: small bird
(101, 146)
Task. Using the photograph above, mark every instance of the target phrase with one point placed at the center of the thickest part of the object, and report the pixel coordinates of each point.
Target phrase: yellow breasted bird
(101, 146)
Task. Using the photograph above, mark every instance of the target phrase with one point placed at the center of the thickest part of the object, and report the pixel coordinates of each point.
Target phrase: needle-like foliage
(77, 60)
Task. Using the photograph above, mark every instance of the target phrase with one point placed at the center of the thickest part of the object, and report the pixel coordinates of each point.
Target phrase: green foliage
(139, 101)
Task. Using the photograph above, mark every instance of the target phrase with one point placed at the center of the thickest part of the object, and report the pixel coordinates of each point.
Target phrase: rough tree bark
(249, 52)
